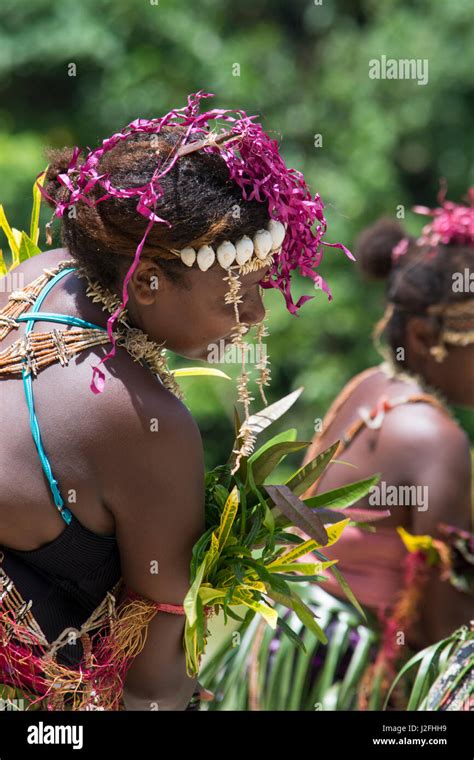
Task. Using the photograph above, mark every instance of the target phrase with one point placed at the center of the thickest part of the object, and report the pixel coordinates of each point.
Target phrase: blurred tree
(303, 67)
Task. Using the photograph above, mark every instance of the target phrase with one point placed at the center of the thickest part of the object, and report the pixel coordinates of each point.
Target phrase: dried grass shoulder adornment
(38, 350)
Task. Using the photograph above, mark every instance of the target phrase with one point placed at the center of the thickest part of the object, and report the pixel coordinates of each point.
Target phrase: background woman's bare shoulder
(424, 435)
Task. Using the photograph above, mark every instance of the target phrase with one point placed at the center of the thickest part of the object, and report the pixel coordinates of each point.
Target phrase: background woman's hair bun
(58, 162)
(374, 247)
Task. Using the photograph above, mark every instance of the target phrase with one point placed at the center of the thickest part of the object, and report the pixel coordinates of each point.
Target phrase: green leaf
(359, 662)
(272, 579)
(343, 584)
(10, 237)
(35, 212)
(266, 462)
(190, 600)
(306, 616)
(344, 496)
(306, 475)
(291, 635)
(304, 613)
(287, 435)
(27, 248)
(429, 652)
(422, 683)
(298, 513)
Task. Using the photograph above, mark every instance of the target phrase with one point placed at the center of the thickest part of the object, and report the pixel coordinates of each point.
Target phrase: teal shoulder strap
(31, 317)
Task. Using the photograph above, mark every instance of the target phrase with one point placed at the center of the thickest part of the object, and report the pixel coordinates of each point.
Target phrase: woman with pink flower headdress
(414, 574)
(175, 226)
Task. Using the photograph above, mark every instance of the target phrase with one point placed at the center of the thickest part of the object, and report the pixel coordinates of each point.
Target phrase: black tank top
(65, 579)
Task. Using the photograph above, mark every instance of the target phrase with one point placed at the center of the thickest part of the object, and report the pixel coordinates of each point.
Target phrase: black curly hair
(420, 278)
(200, 201)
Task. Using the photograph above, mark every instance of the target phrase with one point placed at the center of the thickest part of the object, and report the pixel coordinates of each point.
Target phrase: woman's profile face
(190, 314)
(459, 378)
(454, 376)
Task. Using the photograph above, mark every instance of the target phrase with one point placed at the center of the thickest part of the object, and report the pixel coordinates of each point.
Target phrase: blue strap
(63, 318)
(28, 383)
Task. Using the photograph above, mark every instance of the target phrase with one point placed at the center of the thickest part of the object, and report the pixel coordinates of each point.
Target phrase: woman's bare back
(74, 423)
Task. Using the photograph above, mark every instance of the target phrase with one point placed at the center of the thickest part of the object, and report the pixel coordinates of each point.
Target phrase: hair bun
(58, 162)
(374, 247)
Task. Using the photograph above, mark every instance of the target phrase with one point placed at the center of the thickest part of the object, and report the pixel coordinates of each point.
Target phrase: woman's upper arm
(158, 505)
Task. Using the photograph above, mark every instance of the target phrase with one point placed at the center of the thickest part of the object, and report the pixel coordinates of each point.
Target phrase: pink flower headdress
(452, 224)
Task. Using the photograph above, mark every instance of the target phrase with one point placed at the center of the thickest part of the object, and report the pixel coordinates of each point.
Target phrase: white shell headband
(264, 243)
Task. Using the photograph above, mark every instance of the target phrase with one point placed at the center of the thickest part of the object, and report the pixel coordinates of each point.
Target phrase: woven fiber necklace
(38, 350)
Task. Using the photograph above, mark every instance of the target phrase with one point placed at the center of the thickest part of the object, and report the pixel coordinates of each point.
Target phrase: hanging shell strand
(246, 436)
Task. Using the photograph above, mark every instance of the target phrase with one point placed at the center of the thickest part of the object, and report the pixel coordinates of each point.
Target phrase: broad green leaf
(266, 461)
(228, 517)
(299, 514)
(27, 248)
(219, 537)
(293, 554)
(306, 475)
(307, 568)
(342, 497)
(268, 613)
(287, 435)
(209, 595)
(190, 599)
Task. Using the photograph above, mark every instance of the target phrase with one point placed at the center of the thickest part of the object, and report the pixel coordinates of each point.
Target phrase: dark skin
(144, 485)
(417, 445)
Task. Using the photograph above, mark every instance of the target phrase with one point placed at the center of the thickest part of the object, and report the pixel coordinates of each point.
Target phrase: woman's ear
(146, 281)
(421, 334)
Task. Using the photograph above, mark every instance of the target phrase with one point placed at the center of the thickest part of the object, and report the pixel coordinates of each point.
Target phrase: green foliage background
(304, 69)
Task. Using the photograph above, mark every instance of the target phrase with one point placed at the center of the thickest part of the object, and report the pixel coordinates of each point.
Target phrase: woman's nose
(254, 311)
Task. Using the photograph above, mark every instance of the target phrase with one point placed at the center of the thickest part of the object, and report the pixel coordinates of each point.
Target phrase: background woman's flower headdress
(452, 224)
